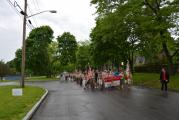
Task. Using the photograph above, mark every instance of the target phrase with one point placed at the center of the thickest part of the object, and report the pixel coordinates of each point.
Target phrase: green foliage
(83, 55)
(106, 6)
(37, 57)
(68, 68)
(4, 69)
(12, 67)
(52, 53)
(18, 60)
(160, 16)
(134, 26)
(67, 47)
(124, 29)
(176, 46)
(47, 57)
(115, 36)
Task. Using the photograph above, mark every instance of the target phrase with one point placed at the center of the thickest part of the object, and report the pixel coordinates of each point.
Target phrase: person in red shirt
(164, 78)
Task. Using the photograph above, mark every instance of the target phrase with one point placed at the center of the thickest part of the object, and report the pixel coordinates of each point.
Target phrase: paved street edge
(40, 80)
(35, 107)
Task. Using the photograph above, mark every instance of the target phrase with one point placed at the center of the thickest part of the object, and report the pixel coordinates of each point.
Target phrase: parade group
(100, 79)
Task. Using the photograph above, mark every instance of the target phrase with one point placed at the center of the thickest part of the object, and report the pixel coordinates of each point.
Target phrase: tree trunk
(132, 63)
(49, 75)
(167, 53)
(169, 58)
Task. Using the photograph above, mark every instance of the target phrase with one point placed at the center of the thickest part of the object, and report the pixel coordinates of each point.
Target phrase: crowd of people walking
(100, 79)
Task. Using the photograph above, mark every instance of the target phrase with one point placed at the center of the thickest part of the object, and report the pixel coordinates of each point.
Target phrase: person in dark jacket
(164, 78)
(96, 76)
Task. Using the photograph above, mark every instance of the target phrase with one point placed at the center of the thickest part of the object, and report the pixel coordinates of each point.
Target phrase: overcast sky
(74, 16)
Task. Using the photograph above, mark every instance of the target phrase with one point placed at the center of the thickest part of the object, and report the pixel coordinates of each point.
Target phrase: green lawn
(41, 78)
(33, 78)
(15, 108)
(152, 80)
(7, 80)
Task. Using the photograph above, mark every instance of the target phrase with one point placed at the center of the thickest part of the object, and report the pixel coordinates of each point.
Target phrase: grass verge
(151, 80)
(15, 108)
(41, 78)
(7, 81)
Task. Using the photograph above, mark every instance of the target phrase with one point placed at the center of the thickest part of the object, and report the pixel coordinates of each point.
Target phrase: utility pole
(23, 46)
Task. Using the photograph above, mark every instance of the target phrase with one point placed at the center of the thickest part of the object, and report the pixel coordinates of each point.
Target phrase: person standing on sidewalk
(164, 78)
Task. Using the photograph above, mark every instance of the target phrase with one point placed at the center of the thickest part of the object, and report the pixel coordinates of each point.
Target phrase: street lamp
(23, 39)
(51, 11)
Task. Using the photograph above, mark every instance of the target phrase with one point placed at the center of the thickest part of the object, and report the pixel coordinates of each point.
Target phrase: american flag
(90, 73)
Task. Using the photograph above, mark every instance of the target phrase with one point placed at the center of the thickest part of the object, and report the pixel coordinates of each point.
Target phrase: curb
(35, 107)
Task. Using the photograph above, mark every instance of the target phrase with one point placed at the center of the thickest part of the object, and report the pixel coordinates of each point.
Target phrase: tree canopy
(124, 30)
(83, 55)
(67, 47)
(37, 43)
(4, 69)
(124, 27)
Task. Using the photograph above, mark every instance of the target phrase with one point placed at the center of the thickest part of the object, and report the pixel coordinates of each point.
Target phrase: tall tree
(115, 37)
(83, 55)
(145, 22)
(162, 15)
(107, 39)
(37, 57)
(67, 47)
(18, 60)
(106, 6)
(53, 58)
(4, 69)
(12, 66)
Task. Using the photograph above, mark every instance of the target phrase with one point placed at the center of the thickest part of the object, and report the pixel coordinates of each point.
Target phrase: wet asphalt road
(68, 101)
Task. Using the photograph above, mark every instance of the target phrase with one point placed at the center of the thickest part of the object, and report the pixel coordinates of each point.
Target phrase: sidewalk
(8, 83)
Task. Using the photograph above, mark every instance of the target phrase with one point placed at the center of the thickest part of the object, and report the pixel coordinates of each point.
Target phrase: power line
(30, 26)
(13, 6)
(17, 5)
(30, 11)
(37, 4)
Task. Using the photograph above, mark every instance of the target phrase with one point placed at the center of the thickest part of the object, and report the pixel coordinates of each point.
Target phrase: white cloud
(73, 16)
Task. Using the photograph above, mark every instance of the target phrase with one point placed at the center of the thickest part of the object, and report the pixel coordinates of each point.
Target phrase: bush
(153, 68)
(150, 68)
(4, 70)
